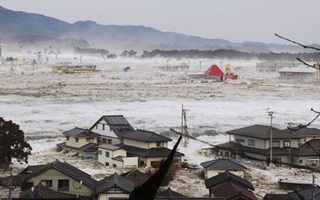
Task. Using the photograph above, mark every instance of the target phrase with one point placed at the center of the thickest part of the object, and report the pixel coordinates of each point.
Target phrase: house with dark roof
(230, 186)
(151, 148)
(61, 177)
(81, 142)
(110, 128)
(233, 191)
(262, 142)
(220, 165)
(114, 187)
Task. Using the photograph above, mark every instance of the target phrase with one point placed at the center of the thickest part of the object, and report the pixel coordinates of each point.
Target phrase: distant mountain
(38, 30)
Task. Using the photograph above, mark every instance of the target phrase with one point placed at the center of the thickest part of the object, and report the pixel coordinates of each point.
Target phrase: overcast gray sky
(233, 20)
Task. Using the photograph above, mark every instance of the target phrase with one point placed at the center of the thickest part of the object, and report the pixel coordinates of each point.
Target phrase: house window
(67, 138)
(107, 154)
(77, 140)
(103, 127)
(100, 152)
(286, 144)
(158, 144)
(114, 165)
(63, 185)
(46, 183)
(300, 161)
(239, 140)
(251, 142)
(275, 143)
(89, 139)
(104, 141)
(109, 141)
(107, 164)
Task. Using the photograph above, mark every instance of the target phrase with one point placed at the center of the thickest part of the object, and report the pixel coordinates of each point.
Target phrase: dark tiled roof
(31, 168)
(276, 197)
(116, 120)
(89, 147)
(118, 123)
(305, 193)
(169, 193)
(223, 163)
(314, 143)
(108, 147)
(227, 176)
(115, 181)
(137, 177)
(148, 153)
(145, 136)
(307, 132)
(230, 190)
(79, 132)
(68, 170)
(263, 132)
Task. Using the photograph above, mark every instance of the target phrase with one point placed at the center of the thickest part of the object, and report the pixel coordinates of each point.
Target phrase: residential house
(151, 148)
(254, 142)
(298, 73)
(230, 186)
(61, 177)
(81, 142)
(110, 128)
(220, 165)
(115, 156)
(114, 187)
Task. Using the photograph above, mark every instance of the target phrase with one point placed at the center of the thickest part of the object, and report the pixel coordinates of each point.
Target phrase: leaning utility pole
(184, 125)
(270, 113)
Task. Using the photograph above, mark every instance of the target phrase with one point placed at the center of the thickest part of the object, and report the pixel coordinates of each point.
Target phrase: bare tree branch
(301, 126)
(315, 66)
(304, 46)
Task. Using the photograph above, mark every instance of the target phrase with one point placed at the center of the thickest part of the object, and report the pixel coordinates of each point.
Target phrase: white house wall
(154, 144)
(112, 196)
(258, 143)
(130, 162)
(106, 131)
(103, 159)
(136, 143)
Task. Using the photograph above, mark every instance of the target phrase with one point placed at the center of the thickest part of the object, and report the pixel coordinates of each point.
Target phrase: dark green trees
(12, 144)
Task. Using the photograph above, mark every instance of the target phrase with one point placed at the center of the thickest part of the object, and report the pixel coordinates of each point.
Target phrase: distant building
(274, 66)
(300, 73)
(70, 68)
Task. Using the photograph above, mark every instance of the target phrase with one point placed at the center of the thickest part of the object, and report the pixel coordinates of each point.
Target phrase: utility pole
(270, 113)
(290, 124)
(184, 125)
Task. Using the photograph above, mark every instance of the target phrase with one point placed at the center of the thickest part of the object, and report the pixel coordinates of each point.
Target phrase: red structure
(214, 71)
